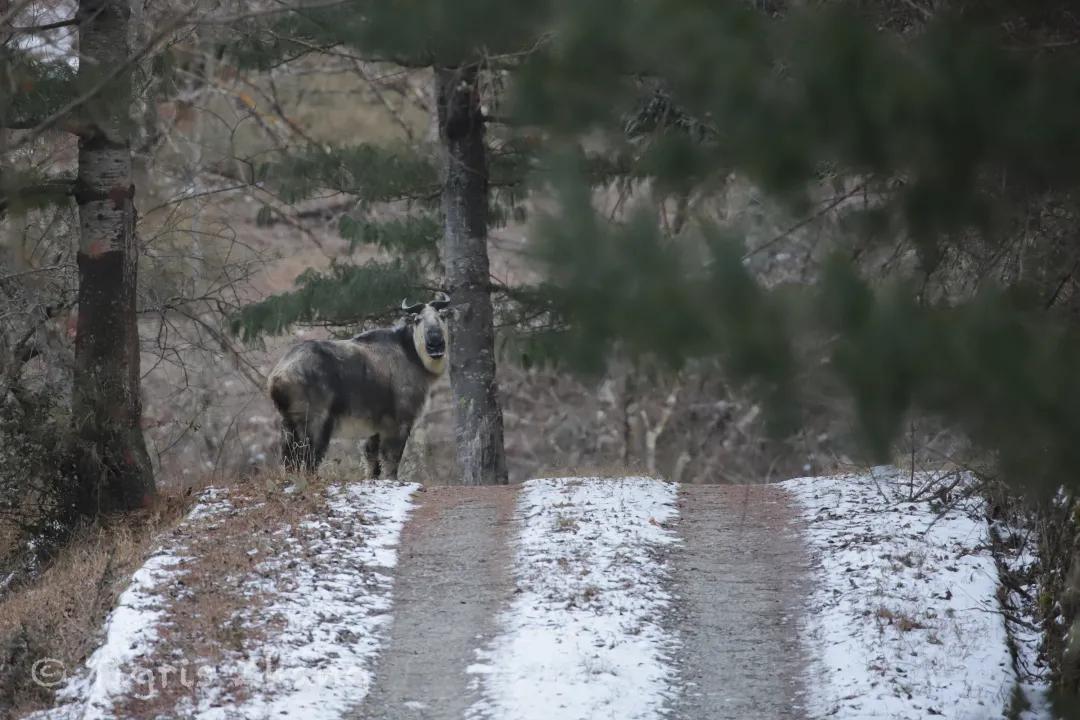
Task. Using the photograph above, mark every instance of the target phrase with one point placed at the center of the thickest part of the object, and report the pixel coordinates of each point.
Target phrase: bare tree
(111, 462)
(478, 417)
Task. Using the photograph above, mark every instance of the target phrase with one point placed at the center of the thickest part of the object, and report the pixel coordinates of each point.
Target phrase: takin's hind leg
(304, 440)
(320, 428)
(371, 457)
(293, 446)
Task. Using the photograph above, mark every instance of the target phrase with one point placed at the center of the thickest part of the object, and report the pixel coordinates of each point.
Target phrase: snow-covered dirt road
(564, 599)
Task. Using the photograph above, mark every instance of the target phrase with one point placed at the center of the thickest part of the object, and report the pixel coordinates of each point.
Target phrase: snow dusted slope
(582, 640)
(314, 599)
(131, 629)
(905, 618)
(328, 602)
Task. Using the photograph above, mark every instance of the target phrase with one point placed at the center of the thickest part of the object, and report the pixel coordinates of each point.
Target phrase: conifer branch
(51, 190)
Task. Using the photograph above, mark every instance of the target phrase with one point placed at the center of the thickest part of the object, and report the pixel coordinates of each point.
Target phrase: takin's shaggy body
(377, 383)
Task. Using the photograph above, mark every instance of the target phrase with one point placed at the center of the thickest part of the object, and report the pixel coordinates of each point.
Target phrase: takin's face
(430, 335)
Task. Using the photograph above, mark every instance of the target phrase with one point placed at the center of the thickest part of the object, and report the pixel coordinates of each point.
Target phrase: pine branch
(34, 90)
(373, 172)
(341, 296)
(47, 191)
(32, 122)
(62, 114)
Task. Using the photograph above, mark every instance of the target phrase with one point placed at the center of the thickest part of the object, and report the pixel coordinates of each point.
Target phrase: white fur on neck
(435, 366)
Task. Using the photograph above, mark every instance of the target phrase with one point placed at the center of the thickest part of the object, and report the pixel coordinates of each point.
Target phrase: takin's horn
(442, 300)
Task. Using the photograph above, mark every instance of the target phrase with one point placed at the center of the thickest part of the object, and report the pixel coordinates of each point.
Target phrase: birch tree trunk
(477, 415)
(111, 463)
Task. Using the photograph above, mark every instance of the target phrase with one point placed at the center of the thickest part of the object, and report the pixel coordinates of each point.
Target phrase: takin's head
(429, 333)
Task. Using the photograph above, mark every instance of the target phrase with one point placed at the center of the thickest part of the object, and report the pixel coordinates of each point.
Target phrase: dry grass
(60, 613)
(903, 621)
(222, 583)
(566, 524)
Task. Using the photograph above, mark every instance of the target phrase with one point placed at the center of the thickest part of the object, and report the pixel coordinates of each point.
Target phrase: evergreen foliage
(414, 235)
(32, 90)
(421, 34)
(953, 133)
(346, 294)
(992, 367)
(369, 172)
(349, 294)
(819, 89)
(959, 125)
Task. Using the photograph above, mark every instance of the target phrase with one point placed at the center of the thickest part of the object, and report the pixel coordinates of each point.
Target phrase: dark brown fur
(377, 381)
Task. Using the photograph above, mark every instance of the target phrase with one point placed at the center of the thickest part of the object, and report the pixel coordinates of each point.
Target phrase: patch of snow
(329, 604)
(130, 632)
(56, 45)
(212, 502)
(905, 619)
(329, 598)
(1017, 555)
(583, 638)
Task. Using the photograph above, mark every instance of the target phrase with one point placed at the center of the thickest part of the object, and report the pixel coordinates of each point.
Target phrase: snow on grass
(307, 638)
(1017, 556)
(329, 602)
(905, 618)
(582, 638)
(131, 631)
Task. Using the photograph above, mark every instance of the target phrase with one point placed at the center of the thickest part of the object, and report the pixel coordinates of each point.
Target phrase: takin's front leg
(320, 433)
(371, 457)
(393, 447)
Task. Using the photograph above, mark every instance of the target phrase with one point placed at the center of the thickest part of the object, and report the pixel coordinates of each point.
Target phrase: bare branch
(825, 210)
(46, 27)
(14, 11)
(654, 431)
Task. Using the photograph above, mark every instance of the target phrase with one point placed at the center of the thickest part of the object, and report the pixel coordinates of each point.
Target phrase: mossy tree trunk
(478, 417)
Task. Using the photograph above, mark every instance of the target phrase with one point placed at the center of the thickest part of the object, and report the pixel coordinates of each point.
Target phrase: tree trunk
(478, 417)
(111, 463)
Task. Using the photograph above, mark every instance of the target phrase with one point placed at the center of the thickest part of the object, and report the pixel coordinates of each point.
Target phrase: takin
(376, 382)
